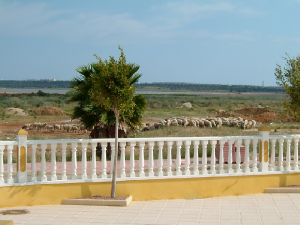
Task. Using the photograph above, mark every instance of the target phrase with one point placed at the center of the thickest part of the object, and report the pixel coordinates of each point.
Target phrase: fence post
(21, 137)
(264, 132)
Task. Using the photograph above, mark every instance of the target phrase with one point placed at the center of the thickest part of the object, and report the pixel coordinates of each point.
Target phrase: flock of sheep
(179, 121)
(56, 127)
(202, 122)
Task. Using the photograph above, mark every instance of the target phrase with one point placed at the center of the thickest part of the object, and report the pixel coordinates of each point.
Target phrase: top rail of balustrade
(291, 136)
(8, 143)
(128, 140)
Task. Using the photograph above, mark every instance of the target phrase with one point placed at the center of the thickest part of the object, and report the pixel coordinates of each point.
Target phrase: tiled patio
(246, 209)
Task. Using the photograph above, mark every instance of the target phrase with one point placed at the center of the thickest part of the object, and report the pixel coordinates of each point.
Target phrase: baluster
(196, 158)
(83, 161)
(160, 172)
(141, 159)
(273, 141)
(238, 156)
(213, 157)
(204, 157)
(230, 143)
(64, 161)
(33, 163)
(10, 179)
(103, 160)
(151, 161)
(53, 162)
(221, 160)
(112, 159)
(254, 159)
(246, 161)
(296, 166)
(1, 164)
(94, 163)
(74, 161)
(288, 155)
(169, 159)
(132, 162)
(123, 173)
(43, 163)
(178, 158)
(187, 158)
(280, 163)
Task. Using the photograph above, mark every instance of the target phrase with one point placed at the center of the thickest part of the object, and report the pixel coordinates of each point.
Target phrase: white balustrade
(166, 165)
(112, 158)
(187, 158)
(74, 161)
(288, 155)
(160, 172)
(296, 166)
(53, 162)
(280, 163)
(151, 160)
(10, 179)
(246, 161)
(196, 158)
(123, 173)
(1, 164)
(221, 159)
(272, 165)
(43, 163)
(204, 157)
(238, 143)
(169, 159)
(254, 159)
(63, 161)
(33, 163)
(230, 143)
(178, 158)
(141, 159)
(94, 162)
(213, 157)
(83, 161)
(103, 158)
(132, 162)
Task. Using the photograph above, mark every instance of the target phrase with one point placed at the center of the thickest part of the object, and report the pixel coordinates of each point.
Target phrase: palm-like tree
(95, 116)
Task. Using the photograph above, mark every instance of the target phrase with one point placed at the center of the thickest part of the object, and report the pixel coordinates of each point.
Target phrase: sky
(191, 41)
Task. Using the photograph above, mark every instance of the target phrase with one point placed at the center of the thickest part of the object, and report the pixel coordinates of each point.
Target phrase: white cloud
(167, 24)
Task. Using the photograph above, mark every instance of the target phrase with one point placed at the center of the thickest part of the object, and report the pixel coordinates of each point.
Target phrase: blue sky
(213, 42)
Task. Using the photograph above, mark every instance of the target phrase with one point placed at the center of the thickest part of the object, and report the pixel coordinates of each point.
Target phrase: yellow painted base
(6, 222)
(185, 188)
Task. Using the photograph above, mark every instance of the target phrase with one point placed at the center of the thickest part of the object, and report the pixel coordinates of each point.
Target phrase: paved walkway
(246, 209)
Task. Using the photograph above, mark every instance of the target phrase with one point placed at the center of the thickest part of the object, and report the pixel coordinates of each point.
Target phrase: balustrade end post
(264, 132)
(21, 137)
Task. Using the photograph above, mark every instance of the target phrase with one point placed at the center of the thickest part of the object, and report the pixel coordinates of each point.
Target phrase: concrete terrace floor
(244, 209)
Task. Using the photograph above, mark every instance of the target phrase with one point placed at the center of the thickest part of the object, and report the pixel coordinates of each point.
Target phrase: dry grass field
(265, 108)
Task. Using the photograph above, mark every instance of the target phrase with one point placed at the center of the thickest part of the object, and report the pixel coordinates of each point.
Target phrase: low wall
(158, 189)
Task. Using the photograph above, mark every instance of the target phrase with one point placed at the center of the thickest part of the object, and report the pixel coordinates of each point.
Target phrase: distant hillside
(165, 86)
(156, 86)
(33, 84)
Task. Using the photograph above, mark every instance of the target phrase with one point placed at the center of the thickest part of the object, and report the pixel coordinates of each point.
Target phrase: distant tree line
(33, 84)
(156, 86)
(207, 87)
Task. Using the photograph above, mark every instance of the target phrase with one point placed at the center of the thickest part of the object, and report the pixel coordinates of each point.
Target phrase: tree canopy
(289, 78)
(92, 114)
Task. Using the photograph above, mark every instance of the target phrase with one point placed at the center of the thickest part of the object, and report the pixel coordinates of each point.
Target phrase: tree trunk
(114, 174)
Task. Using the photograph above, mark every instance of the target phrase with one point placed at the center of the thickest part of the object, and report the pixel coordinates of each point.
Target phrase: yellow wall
(184, 188)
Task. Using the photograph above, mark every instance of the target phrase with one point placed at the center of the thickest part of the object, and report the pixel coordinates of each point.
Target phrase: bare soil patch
(15, 112)
(260, 114)
(47, 111)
